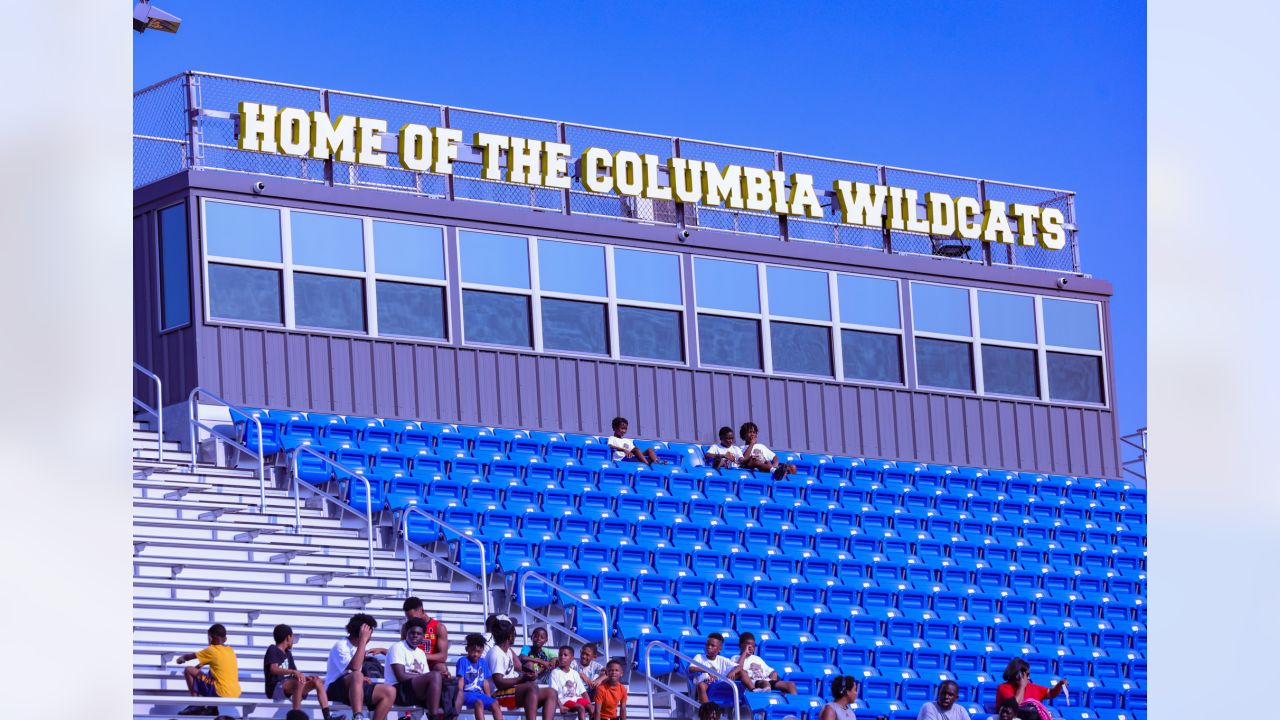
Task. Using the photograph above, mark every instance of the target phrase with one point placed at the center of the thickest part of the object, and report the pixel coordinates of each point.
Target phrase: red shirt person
(1017, 685)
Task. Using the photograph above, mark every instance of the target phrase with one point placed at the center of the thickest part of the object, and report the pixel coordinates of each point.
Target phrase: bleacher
(900, 573)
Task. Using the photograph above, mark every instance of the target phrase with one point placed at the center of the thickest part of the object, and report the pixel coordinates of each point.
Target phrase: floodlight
(145, 15)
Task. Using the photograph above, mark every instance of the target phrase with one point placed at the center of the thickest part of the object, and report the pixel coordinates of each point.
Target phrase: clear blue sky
(1034, 92)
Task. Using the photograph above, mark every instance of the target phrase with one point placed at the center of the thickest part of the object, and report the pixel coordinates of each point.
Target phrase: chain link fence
(160, 131)
(191, 122)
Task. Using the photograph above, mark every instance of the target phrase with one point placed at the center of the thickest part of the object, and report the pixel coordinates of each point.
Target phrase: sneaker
(358, 716)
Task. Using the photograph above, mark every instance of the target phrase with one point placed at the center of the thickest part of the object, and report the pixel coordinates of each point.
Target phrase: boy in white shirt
(624, 448)
(589, 668)
(724, 454)
(755, 673)
(711, 661)
(569, 685)
(757, 456)
(406, 665)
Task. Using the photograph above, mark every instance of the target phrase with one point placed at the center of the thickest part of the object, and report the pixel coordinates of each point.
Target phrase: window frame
(976, 341)
(610, 300)
(155, 228)
(369, 276)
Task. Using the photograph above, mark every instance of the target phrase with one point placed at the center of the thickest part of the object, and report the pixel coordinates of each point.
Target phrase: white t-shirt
(568, 684)
(720, 664)
(501, 662)
(756, 668)
(732, 455)
(622, 447)
(761, 451)
(339, 660)
(930, 711)
(413, 660)
(592, 671)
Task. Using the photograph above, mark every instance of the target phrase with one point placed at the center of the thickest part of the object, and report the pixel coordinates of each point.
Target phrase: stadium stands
(902, 573)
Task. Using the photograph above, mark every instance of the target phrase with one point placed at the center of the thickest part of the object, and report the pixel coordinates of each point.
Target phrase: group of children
(751, 455)
(414, 673)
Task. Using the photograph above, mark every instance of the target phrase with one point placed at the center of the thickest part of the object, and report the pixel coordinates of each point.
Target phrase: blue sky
(1033, 92)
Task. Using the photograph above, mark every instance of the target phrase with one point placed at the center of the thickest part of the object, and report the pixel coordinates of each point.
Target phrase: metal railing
(297, 504)
(194, 420)
(154, 410)
(1136, 440)
(482, 580)
(189, 122)
(523, 580)
(653, 681)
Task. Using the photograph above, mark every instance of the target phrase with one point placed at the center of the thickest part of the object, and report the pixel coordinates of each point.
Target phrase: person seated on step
(611, 694)
(475, 687)
(754, 672)
(223, 678)
(589, 668)
(724, 454)
(757, 456)
(440, 697)
(707, 662)
(624, 448)
(517, 686)
(285, 680)
(406, 667)
(570, 688)
(345, 679)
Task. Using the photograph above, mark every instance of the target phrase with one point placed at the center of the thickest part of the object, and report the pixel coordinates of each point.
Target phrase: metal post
(484, 560)
(158, 410)
(648, 651)
(524, 607)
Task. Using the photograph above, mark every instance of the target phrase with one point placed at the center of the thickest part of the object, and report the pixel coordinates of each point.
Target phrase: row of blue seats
(722, 485)
(413, 434)
(399, 492)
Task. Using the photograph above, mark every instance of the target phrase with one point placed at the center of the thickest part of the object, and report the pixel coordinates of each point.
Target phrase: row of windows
(302, 269)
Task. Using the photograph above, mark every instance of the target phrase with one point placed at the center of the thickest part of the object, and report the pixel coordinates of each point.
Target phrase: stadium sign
(360, 140)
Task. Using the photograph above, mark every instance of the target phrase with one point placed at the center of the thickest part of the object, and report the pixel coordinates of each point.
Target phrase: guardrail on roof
(189, 122)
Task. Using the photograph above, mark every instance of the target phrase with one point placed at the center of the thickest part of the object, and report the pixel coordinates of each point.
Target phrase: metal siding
(518, 389)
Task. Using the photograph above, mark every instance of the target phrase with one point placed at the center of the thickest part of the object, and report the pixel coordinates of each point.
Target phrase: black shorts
(339, 692)
(406, 697)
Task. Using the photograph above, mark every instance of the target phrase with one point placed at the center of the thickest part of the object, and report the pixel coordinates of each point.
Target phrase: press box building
(290, 281)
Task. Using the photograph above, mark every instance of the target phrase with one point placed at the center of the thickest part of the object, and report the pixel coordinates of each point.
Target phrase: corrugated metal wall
(281, 369)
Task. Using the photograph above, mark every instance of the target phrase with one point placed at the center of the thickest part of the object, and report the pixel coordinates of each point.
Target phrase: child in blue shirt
(474, 689)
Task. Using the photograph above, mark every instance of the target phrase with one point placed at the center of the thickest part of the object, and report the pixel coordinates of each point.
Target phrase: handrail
(648, 650)
(368, 494)
(195, 423)
(408, 577)
(524, 607)
(154, 410)
(1138, 441)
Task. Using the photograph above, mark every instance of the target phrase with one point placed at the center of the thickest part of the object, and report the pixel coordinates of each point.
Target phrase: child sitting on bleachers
(711, 660)
(223, 678)
(537, 656)
(755, 673)
(284, 679)
(475, 690)
(724, 454)
(757, 456)
(611, 694)
(589, 668)
(624, 448)
(570, 688)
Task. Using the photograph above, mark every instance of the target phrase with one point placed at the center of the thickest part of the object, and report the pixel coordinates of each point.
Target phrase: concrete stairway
(204, 552)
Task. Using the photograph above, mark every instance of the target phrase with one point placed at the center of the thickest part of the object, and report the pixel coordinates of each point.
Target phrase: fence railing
(1136, 465)
(297, 502)
(481, 578)
(194, 426)
(157, 411)
(190, 122)
(647, 651)
(522, 580)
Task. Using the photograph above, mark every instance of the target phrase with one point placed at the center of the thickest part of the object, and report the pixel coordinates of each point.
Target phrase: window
(327, 241)
(324, 271)
(871, 334)
(570, 274)
(804, 349)
(572, 268)
(732, 340)
(244, 293)
(649, 306)
(244, 232)
(796, 295)
(1002, 343)
(496, 318)
(574, 326)
(729, 341)
(409, 282)
(872, 356)
(489, 259)
(175, 277)
(944, 364)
